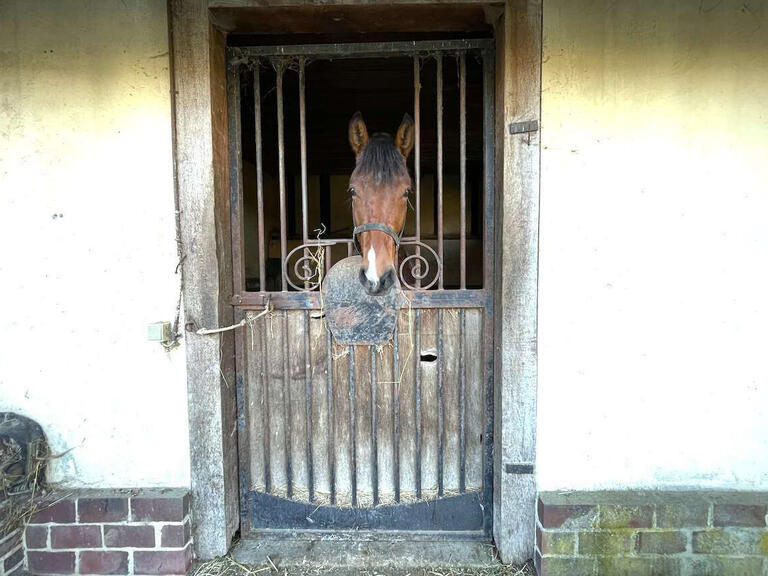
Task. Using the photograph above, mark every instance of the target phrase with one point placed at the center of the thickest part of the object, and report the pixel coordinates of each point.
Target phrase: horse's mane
(381, 159)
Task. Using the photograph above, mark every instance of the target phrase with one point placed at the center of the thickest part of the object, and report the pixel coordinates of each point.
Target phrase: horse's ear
(404, 138)
(358, 133)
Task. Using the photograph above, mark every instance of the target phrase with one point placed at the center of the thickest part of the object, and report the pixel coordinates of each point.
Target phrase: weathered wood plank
(341, 425)
(475, 399)
(384, 404)
(450, 401)
(429, 402)
(275, 371)
(363, 418)
(407, 361)
(254, 385)
(298, 436)
(200, 129)
(516, 239)
(320, 418)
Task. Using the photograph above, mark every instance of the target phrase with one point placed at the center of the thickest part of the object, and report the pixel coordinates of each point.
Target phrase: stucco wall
(654, 245)
(87, 235)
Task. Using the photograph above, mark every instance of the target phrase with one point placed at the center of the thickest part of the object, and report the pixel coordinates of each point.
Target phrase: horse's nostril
(388, 279)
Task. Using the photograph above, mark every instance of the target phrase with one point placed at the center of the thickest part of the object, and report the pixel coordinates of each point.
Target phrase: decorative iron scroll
(304, 266)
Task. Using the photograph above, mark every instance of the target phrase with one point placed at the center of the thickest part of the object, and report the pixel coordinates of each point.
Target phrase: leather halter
(378, 226)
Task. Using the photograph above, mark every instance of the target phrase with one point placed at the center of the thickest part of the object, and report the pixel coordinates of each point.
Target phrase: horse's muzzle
(382, 286)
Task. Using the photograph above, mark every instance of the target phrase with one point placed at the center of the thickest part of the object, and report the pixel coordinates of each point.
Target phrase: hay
(17, 508)
(227, 566)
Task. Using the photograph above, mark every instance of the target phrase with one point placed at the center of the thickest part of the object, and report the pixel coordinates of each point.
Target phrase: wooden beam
(518, 98)
(304, 3)
(200, 126)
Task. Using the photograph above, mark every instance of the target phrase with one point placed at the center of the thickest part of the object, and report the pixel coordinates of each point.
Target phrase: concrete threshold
(352, 553)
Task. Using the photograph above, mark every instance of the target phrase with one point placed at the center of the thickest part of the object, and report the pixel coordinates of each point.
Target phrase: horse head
(379, 189)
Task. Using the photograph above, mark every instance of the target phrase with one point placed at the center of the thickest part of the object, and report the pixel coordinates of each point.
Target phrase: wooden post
(201, 150)
(518, 97)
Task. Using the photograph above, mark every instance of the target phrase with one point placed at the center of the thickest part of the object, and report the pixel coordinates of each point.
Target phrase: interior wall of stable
(88, 236)
(653, 369)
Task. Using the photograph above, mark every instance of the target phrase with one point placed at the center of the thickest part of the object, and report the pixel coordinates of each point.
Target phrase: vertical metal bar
(265, 403)
(279, 68)
(462, 171)
(331, 416)
(488, 278)
(417, 140)
(308, 407)
(259, 175)
(440, 166)
(396, 412)
(303, 143)
(328, 258)
(350, 248)
(352, 426)
(462, 402)
(417, 401)
(440, 423)
(235, 177)
(417, 150)
(374, 430)
(288, 417)
(304, 235)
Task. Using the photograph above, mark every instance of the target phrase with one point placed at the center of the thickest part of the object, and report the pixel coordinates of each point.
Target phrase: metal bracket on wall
(524, 128)
(519, 468)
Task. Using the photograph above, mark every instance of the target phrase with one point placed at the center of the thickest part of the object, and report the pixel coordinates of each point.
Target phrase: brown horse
(379, 188)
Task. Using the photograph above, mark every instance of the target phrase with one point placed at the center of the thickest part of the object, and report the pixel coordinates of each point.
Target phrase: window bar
(463, 170)
(305, 237)
(287, 407)
(235, 176)
(352, 426)
(396, 412)
(417, 401)
(279, 68)
(329, 397)
(374, 430)
(417, 150)
(439, 58)
(259, 174)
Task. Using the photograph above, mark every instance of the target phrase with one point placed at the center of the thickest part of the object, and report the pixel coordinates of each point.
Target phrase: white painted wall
(87, 238)
(653, 309)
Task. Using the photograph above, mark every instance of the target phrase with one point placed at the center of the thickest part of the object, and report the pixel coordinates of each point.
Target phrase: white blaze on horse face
(370, 273)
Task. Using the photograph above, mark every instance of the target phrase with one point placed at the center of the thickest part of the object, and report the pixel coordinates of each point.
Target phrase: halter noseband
(378, 226)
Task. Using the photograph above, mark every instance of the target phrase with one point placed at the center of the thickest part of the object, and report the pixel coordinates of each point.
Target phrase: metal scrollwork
(419, 267)
(309, 269)
(304, 266)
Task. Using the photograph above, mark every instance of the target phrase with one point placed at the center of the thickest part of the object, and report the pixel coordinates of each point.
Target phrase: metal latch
(519, 468)
(524, 128)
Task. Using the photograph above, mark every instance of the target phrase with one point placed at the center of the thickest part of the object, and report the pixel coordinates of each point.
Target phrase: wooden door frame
(202, 184)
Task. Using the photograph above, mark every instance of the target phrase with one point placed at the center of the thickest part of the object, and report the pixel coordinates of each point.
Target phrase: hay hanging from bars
(17, 508)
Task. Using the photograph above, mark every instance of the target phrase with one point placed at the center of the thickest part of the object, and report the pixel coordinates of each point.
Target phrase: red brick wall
(11, 553)
(652, 533)
(112, 532)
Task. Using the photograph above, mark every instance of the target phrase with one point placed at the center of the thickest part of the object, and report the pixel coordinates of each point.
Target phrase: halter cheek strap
(378, 226)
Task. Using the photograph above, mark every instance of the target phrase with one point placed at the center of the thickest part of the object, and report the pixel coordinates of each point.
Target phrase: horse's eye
(407, 191)
(351, 192)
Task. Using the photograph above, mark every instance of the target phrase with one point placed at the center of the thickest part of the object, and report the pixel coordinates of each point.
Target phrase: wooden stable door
(396, 437)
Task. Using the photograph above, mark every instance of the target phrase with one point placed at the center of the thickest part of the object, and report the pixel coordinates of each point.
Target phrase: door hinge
(524, 127)
(519, 468)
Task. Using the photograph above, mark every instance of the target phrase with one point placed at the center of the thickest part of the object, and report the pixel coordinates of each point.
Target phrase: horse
(379, 188)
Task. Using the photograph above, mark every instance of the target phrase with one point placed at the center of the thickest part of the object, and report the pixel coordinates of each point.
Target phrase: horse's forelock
(382, 160)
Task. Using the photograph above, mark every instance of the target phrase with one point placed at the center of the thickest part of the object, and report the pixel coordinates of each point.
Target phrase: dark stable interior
(383, 90)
